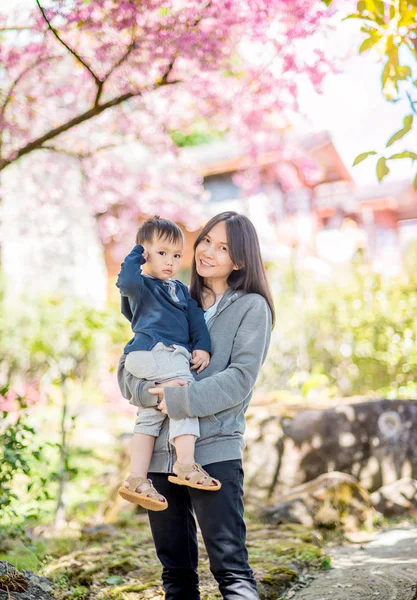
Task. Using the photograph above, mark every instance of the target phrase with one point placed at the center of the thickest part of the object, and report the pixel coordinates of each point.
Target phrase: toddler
(169, 333)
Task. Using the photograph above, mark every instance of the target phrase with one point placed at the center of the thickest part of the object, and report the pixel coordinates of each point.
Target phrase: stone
(331, 500)
(23, 585)
(396, 498)
(375, 441)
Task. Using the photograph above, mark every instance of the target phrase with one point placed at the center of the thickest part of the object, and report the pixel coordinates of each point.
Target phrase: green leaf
(405, 154)
(386, 72)
(327, 2)
(408, 15)
(407, 125)
(354, 16)
(379, 4)
(403, 72)
(381, 168)
(370, 41)
(393, 53)
(362, 157)
(114, 580)
(415, 182)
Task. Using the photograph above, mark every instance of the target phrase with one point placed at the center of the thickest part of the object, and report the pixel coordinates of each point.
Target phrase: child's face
(163, 259)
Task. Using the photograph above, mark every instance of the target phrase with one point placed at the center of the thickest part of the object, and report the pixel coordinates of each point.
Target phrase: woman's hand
(159, 391)
(160, 403)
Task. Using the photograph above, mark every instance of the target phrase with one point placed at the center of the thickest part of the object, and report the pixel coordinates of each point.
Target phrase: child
(167, 324)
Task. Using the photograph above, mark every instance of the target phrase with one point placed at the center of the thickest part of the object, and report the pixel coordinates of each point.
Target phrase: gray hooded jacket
(240, 332)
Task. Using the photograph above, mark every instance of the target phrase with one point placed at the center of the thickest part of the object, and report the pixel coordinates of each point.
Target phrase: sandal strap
(149, 492)
(196, 470)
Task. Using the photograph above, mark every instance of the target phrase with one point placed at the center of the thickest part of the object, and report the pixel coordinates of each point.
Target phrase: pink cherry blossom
(89, 79)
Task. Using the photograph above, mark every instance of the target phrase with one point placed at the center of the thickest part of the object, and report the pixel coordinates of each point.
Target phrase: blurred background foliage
(53, 353)
(353, 333)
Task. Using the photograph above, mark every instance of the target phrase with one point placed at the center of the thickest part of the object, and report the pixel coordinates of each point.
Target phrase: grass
(121, 564)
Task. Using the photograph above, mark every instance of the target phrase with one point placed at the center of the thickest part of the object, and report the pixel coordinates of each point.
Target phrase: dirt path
(384, 569)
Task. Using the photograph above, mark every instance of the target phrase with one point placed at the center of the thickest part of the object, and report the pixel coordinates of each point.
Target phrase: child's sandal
(147, 498)
(190, 475)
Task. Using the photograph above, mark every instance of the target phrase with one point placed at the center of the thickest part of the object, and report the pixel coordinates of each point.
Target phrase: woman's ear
(236, 268)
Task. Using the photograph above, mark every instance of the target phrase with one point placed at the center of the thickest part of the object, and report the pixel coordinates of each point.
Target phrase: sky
(351, 107)
(355, 113)
(359, 119)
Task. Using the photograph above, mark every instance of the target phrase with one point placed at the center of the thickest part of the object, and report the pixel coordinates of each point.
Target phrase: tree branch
(16, 28)
(98, 81)
(99, 93)
(19, 78)
(412, 103)
(164, 78)
(80, 155)
(132, 46)
(100, 86)
(13, 87)
(86, 116)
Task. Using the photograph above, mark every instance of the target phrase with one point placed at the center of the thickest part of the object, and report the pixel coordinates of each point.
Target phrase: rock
(23, 585)
(375, 441)
(291, 511)
(271, 586)
(331, 500)
(396, 498)
(99, 532)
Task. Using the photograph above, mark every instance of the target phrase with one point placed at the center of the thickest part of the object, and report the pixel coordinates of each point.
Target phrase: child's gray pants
(161, 364)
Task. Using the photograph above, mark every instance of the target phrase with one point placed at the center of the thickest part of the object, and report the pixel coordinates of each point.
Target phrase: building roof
(383, 190)
(230, 155)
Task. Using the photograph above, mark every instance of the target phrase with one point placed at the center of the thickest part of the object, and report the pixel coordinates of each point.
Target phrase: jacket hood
(227, 299)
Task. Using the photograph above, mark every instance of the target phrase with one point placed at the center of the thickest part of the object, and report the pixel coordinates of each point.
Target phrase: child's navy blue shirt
(154, 312)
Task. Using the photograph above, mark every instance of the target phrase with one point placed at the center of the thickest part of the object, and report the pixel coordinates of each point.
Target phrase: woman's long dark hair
(245, 253)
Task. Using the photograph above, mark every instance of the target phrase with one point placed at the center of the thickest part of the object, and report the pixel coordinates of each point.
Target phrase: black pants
(220, 517)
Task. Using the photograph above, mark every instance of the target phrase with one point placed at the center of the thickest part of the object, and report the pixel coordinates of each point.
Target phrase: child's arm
(199, 335)
(129, 280)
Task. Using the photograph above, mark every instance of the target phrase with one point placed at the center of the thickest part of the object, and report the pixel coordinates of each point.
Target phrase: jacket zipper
(230, 300)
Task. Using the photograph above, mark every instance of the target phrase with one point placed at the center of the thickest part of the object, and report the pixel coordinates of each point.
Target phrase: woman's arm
(136, 390)
(230, 387)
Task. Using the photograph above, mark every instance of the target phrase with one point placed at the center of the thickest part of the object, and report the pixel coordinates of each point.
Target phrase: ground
(383, 569)
(118, 562)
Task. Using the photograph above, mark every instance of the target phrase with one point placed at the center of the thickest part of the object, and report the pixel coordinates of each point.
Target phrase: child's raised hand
(200, 360)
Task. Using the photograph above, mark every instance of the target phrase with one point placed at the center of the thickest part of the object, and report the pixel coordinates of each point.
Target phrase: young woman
(228, 281)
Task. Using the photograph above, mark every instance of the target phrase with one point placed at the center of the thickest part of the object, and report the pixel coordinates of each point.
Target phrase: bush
(19, 450)
(354, 334)
(52, 349)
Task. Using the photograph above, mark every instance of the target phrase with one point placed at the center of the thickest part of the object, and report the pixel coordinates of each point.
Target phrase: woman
(228, 280)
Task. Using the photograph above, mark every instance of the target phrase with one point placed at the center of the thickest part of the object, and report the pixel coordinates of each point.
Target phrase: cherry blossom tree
(91, 79)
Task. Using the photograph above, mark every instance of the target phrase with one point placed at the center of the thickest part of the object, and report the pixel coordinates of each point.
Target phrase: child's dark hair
(159, 228)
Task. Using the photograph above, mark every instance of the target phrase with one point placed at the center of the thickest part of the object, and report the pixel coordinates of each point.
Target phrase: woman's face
(212, 254)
